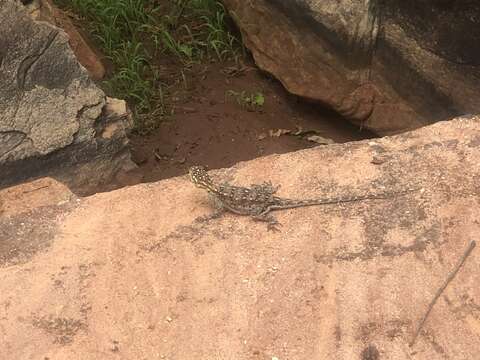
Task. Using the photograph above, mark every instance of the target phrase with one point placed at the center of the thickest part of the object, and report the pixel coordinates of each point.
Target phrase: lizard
(259, 200)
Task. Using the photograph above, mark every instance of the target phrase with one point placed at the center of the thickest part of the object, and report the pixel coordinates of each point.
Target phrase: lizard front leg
(219, 208)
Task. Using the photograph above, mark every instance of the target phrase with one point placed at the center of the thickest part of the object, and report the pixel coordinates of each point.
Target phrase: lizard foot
(274, 226)
(273, 223)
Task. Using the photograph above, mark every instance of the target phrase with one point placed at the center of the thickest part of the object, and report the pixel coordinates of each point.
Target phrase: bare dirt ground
(209, 127)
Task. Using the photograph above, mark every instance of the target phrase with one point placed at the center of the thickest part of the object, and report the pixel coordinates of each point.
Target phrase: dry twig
(442, 288)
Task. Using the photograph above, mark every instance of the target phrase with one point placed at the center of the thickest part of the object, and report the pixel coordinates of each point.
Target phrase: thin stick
(36, 189)
(439, 291)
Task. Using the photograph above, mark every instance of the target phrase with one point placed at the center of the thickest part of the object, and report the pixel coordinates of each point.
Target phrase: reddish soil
(209, 127)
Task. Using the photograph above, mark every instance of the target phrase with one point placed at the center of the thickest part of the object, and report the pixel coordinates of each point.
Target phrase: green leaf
(258, 99)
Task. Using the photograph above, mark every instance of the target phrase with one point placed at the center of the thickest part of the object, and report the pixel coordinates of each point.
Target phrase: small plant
(257, 99)
(249, 101)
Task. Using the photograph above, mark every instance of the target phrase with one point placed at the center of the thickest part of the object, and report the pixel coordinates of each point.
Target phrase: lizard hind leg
(273, 223)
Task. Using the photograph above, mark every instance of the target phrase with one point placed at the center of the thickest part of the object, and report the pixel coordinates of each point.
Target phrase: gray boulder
(52, 115)
(388, 66)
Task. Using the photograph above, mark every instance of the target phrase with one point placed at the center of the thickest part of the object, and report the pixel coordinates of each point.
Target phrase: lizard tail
(292, 203)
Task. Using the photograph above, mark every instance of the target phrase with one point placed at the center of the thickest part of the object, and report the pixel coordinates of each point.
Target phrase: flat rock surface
(137, 274)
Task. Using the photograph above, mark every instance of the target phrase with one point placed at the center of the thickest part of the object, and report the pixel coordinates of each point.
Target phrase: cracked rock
(51, 112)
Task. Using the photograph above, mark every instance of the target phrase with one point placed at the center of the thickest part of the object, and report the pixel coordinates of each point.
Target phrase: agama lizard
(259, 200)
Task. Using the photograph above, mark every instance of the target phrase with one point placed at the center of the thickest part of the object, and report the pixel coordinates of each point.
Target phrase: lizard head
(199, 176)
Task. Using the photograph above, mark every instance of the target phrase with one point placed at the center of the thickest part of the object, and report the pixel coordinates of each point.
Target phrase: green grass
(194, 30)
(133, 33)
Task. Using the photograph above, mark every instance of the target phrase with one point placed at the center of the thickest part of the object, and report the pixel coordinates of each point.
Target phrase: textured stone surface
(389, 66)
(136, 273)
(44, 10)
(50, 110)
